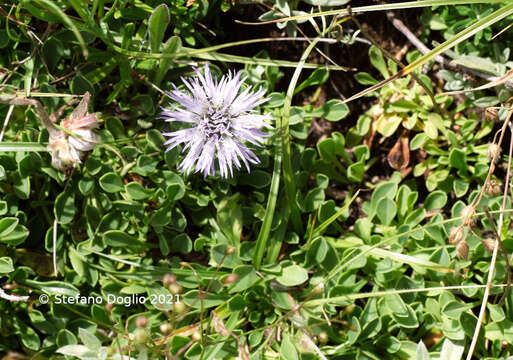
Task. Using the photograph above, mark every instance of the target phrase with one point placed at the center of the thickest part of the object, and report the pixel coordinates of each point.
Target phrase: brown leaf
(399, 156)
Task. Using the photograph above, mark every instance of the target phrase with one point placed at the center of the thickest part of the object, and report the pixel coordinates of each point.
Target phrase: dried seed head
(489, 244)
(111, 350)
(456, 235)
(165, 328)
(68, 147)
(323, 337)
(175, 289)
(168, 279)
(493, 188)
(462, 249)
(493, 152)
(178, 307)
(468, 215)
(318, 289)
(63, 155)
(141, 321)
(230, 279)
(140, 336)
(196, 336)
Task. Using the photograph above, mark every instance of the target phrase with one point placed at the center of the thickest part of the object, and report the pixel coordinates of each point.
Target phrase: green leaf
(157, 25)
(11, 232)
(500, 331)
(257, 178)
(116, 238)
(172, 46)
(89, 340)
(388, 124)
(332, 110)
(435, 200)
(54, 287)
(21, 186)
(28, 336)
(206, 300)
(317, 252)
(115, 127)
(418, 141)
(422, 352)
(136, 191)
(312, 200)
(64, 209)
(229, 218)
(7, 225)
(386, 210)
(460, 187)
(458, 159)
(401, 312)
(317, 77)
(451, 350)
(80, 85)
(6, 265)
(365, 78)
(80, 351)
(246, 278)
(292, 275)
(111, 182)
(377, 60)
(287, 349)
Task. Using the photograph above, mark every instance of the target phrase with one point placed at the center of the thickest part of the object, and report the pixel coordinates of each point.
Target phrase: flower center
(215, 122)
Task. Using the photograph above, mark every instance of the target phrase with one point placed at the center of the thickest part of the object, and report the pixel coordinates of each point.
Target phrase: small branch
(399, 25)
(14, 298)
(40, 111)
(6, 121)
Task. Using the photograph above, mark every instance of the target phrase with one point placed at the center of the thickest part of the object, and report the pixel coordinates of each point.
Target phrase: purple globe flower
(222, 120)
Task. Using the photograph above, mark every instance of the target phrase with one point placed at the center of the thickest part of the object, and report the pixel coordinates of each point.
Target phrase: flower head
(221, 119)
(66, 149)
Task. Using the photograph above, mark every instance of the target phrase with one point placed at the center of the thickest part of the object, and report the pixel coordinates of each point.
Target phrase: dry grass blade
(499, 81)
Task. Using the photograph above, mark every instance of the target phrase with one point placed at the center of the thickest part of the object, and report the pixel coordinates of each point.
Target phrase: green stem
(263, 235)
(288, 174)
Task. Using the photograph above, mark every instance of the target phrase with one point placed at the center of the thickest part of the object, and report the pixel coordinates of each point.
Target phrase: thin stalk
(263, 235)
(288, 174)
(370, 8)
(493, 261)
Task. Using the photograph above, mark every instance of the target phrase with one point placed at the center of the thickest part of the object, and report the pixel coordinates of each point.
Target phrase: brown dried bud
(493, 152)
(489, 244)
(109, 307)
(168, 279)
(462, 249)
(491, 114)
(493, 188)
(230, 279)
(165, 328)
(456, 235)
(468, 215)
(230, 250)
(141, 321)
